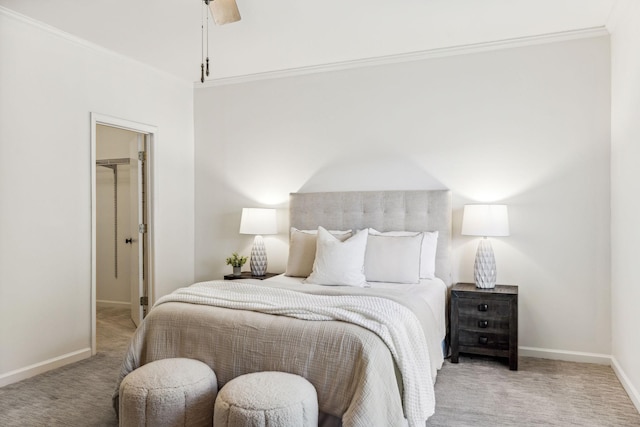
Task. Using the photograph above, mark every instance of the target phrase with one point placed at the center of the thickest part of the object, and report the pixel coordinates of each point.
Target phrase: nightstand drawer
(484, 324)
(485, 308)
(483, 339)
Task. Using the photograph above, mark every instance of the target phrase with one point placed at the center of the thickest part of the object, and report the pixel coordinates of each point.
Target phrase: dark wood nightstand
(485, 321)
(247, 275)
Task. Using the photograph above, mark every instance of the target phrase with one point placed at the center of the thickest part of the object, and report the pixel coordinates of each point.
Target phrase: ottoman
(168, 392)
(266, 399)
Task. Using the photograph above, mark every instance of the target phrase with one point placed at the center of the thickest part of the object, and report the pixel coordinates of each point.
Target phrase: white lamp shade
(485, 220)
(258, 221)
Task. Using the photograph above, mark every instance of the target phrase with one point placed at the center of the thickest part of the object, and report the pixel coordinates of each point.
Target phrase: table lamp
(485, 221)
(259, 222)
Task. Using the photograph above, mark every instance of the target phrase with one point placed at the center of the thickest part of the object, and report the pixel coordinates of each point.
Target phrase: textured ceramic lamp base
(484, 268)
(258, 261)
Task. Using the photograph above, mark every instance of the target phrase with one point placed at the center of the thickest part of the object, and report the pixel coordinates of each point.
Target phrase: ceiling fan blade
(224, 11)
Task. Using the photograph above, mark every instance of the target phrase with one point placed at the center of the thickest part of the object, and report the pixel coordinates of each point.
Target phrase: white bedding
(432, 291)
(350, 366)
(394, 323)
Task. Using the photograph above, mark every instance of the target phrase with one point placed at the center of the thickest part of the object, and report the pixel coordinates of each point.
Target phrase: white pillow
(337, 262)
(393, 259)
(302, 250)
(428, 252)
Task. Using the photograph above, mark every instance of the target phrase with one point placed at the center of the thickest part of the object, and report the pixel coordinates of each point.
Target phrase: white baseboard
(569, 356)
(105, 303)
(633, 393)
(39, 368)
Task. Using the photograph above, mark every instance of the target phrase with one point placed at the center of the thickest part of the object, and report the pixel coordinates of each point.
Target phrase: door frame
(150, 132)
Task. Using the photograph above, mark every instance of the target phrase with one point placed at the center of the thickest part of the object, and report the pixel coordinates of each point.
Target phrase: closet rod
(112, 162)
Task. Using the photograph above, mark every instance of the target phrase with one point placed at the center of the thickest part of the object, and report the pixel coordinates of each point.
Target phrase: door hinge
(142, 156)
(144, 300)
(142, 228)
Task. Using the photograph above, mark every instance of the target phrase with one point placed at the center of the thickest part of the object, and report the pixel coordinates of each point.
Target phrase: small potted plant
(236, 261)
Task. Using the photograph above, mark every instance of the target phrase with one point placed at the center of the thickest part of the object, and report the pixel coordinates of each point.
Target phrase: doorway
(121, 217)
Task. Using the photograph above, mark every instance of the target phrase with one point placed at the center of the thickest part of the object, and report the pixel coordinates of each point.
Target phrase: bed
(372, 352)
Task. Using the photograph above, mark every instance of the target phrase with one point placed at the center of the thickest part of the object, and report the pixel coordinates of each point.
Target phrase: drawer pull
(483, 307)
(483, 323)
(483, 340)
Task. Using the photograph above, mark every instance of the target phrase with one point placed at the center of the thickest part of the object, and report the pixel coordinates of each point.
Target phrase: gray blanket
(351, 368)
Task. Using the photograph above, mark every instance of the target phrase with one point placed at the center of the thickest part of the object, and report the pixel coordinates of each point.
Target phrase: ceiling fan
(223, 12)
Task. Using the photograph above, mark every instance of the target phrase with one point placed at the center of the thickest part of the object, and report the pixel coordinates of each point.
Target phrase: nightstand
(485, 321)
(247, 275)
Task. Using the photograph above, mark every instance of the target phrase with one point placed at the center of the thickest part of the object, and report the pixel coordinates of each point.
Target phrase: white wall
(49, 85)
(625, 189)
(527, 126)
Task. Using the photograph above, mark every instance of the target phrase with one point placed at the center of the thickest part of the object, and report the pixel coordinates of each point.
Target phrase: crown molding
(412, 56)
(85, 43)
(323, 68)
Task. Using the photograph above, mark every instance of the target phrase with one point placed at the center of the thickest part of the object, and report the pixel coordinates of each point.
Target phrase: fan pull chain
(207, 12)
(202, 41)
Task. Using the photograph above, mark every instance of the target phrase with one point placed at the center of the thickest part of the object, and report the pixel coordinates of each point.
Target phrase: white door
(136, 240)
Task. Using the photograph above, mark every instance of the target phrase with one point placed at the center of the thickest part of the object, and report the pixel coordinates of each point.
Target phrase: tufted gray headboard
(383, 210)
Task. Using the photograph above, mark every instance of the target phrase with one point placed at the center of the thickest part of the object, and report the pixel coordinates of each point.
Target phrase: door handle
(129, 241)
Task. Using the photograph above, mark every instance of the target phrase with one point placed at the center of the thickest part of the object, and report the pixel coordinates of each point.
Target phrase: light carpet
(475, 392)
(74, 395)
(483, 392)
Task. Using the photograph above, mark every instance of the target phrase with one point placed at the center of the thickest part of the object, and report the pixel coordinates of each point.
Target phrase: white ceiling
(278, 35)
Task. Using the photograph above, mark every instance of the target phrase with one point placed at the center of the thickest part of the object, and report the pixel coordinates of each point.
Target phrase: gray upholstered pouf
(168, 392)
(266, 399)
